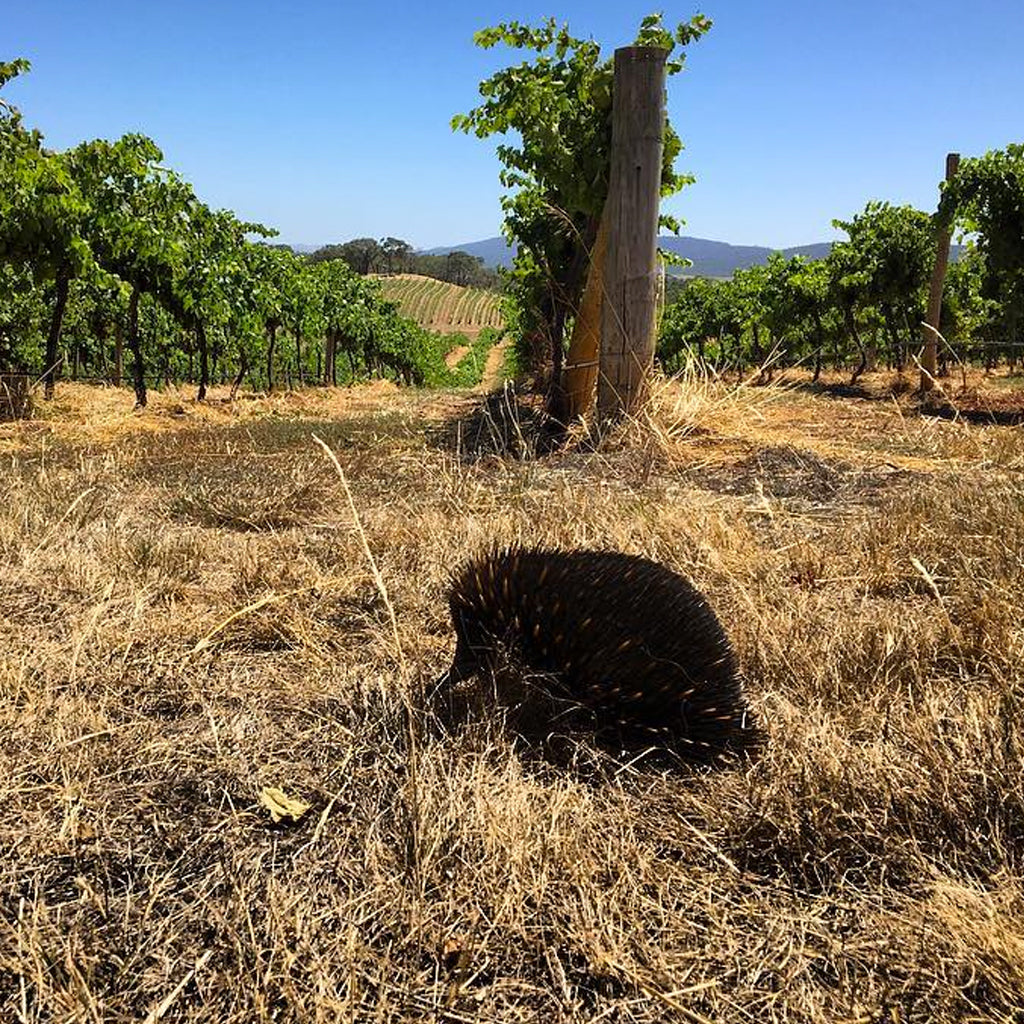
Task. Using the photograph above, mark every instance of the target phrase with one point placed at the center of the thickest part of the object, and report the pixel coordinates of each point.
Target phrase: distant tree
(461, 267)
(468, 269)
(326, 253)
(395, 254)
(363, 255)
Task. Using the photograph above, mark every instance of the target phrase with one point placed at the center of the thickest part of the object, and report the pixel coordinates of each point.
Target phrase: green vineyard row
(441, 306)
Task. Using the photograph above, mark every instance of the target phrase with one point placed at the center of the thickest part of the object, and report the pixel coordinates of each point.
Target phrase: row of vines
(443, 306)
(864, 304)
(110, 264)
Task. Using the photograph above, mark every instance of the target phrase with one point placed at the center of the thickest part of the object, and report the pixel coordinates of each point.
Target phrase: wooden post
(634, 192)
(135, 346)
(929, 337)
(53, 355)
(582, 360)
(118, 351)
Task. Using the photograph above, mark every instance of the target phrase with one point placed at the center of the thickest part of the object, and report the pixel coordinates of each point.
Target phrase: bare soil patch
(970, 394)
(492, 368)
(454, 357)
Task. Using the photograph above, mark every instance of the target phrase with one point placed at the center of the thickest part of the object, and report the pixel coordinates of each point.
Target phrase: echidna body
(625, 637)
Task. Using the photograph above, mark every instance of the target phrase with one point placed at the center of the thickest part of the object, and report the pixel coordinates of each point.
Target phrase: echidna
(624, 637)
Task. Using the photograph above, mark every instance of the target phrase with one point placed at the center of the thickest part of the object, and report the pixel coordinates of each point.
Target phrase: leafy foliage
(987, 198)
(102, 244)
(863, 302)
(559, 106)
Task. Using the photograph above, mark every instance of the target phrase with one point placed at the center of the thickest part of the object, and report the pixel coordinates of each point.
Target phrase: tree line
(396, 256)
(864, 304)
(104, 250)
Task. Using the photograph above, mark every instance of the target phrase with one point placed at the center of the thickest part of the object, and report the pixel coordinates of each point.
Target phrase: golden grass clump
(192, 634)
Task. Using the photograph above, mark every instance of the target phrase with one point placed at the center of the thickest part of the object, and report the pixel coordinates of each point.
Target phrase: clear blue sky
(329, 119)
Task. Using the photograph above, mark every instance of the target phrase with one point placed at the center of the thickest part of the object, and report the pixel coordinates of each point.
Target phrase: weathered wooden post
(929, 330)
(634, 191)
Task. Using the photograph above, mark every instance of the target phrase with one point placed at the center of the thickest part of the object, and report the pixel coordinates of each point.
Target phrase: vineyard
(240, 781)
(113, 268)
(442, 307)
(861, 307)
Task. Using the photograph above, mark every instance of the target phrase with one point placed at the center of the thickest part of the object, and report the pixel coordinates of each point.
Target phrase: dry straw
(164, 662)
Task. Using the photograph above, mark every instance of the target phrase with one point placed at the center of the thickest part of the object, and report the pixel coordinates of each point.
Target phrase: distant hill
(720, 259)
(710, 258)
(495, 252)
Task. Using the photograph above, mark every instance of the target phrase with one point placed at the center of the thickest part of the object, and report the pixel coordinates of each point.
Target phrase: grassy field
(192, 620)
(443, 307)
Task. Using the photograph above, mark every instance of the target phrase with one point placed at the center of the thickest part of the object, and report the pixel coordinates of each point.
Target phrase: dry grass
(189, 617)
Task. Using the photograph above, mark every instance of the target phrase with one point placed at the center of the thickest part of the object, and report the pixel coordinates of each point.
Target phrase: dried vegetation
(189, 619)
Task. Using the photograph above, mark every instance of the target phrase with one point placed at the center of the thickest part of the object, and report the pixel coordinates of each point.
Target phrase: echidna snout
(627, 639)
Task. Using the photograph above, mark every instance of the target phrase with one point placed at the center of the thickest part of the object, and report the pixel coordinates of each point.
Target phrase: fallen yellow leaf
(281, 805)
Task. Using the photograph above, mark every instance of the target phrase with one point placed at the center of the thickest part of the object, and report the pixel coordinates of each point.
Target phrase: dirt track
(492, 368)
(454, 357)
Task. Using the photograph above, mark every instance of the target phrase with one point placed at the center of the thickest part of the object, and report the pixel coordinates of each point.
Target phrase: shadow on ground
(552, 729)
(971, 407)
(980, 414)
(504, 424)
(785, 472)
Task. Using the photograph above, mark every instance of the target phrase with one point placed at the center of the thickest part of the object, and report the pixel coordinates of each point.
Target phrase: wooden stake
(929, 331)
(634, 193)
